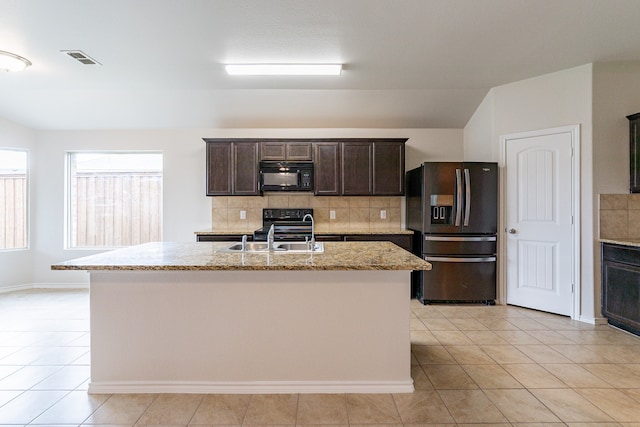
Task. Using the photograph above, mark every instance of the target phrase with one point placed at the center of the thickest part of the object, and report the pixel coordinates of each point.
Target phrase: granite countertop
(211, 232)
(624, 241)
(205, 256)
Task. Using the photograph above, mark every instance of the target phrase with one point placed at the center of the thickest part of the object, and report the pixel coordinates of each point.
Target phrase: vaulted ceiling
(407, 63)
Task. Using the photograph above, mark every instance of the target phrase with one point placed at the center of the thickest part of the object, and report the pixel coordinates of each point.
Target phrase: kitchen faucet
(270, 238)
(312, 242)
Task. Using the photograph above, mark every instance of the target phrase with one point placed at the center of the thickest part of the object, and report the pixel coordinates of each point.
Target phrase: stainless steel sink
(249, 247)
(261, 247)
(301, 247)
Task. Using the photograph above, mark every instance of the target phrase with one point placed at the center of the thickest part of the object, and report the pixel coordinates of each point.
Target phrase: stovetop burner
(288, 224)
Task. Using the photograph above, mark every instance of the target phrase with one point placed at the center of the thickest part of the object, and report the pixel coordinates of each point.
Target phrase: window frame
(27, 195)
(68, 172)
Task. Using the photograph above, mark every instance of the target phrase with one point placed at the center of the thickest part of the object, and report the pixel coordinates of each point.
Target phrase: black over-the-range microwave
(286, 176)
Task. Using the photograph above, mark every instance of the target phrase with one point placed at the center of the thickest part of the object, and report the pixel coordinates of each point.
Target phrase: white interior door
(539, 221)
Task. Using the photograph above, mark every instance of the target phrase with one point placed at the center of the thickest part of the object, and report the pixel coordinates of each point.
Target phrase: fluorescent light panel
(283, 69)
(12, 62)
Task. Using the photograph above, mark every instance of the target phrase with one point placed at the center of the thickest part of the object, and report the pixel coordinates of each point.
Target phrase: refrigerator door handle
(467, 203)
(458, 197)
(459, 259)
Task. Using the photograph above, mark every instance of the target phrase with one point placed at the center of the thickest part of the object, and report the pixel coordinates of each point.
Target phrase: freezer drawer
(452, 278)
(458, 245)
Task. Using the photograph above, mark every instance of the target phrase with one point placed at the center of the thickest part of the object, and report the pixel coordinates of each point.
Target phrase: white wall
(478, 133)
(547, 101)
(616, 94)
(186, 208)
(15, 266)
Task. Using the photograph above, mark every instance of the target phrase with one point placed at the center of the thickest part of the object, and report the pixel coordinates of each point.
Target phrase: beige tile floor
(472, 365)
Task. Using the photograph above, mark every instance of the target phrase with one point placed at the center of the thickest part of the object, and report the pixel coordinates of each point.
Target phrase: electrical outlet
(243, 214)
(332, 214)
(383, 214)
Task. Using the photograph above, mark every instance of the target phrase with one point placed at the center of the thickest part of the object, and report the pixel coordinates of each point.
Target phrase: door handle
(467, 203)
(512, 231)
(458, 197)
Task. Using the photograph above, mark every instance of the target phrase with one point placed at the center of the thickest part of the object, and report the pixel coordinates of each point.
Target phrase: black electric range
(288, 224)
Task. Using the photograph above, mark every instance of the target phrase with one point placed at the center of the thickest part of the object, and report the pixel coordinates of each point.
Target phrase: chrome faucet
(312, 242)
(270, 238)
(244, 242)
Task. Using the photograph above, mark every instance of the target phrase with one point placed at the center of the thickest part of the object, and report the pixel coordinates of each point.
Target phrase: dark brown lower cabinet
(621, 286)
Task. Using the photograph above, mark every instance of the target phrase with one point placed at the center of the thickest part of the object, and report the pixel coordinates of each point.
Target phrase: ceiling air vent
(81, 57)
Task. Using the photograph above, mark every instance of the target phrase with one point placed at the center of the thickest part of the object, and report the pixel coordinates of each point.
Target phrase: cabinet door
(272, 151)
(326, 164)
(297, 151)
(634, 152)
(219, 169)
(245, 174)
(388, 169)
(357, 168)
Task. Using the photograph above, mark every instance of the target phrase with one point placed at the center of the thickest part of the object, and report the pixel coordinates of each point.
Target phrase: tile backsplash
(351, 213)
(620, 216)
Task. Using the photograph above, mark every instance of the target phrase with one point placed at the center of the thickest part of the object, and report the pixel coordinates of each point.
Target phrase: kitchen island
(191, 318)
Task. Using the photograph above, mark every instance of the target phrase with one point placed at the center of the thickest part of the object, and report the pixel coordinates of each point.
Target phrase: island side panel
(250, 331)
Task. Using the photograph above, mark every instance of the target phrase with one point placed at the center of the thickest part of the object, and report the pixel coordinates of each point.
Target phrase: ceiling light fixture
(283, 69)
(12, 62)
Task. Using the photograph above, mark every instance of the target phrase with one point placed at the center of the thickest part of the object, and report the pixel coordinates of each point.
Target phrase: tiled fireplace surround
(351, 213)
(620, 216)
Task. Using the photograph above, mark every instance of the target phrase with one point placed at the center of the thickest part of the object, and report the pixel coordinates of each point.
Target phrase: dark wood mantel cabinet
(342, 167)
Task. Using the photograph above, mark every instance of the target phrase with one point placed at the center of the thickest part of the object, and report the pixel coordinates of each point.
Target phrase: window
(13, 199)
(113, 199)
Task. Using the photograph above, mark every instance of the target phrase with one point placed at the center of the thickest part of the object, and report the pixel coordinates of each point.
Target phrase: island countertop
(207, 256)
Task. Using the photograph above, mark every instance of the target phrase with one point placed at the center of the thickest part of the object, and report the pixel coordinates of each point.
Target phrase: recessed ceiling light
(283, 69)
(12, 62)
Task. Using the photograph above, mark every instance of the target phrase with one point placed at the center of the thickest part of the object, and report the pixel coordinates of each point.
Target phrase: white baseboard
(60, 286)
(593, 320)
(15, 288)
(251, 387)
(29, 286)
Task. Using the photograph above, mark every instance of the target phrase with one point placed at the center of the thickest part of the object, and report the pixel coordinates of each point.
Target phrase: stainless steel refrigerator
(453, 209)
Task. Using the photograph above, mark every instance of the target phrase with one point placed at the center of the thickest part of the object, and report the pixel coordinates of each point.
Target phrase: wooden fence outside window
(13, 211)
(116, 208)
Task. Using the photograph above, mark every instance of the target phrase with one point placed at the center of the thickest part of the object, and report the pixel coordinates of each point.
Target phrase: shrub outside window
(114, 199)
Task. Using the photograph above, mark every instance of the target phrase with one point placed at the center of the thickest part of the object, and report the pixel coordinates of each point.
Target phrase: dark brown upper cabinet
(326, 166)
(634, 152)
(388, 168)
(357, 168)
(232, 168)
(342, 166)
(286, 150)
